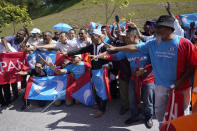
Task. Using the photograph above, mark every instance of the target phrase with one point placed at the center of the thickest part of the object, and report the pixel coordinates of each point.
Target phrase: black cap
(166, 20)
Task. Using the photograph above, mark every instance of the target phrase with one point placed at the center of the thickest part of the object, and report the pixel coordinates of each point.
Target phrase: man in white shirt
(47, 42)
(83, 39)
(62, 45)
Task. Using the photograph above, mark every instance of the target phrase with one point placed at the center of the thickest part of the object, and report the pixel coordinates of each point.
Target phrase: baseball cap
(97, 32)
(35, 31)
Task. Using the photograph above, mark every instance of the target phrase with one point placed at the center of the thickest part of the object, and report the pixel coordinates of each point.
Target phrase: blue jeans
(147, 94)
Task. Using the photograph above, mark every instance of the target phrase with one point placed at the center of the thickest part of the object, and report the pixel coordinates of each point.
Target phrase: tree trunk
(14, 27)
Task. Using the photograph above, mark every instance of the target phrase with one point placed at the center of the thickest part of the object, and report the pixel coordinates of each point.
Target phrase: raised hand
(132, 24)
(25, 26)
(110, 47)
(46, 62)
(63, 53)
(52, 66)
(93, 56)
(167, 6)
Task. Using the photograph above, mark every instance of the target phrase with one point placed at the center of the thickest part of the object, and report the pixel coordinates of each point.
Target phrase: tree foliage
(111, 6)
(10, 13)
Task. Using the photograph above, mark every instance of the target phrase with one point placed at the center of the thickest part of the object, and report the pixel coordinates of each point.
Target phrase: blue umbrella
(62, 27)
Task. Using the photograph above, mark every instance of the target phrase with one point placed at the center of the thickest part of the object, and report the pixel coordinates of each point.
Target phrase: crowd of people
(142, 66)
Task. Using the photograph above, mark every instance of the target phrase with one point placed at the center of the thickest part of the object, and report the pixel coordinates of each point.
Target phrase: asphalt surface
(63, 118)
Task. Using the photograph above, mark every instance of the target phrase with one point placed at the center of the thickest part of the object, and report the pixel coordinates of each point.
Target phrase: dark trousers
(101, 103)
(5, 94)
(15, 87)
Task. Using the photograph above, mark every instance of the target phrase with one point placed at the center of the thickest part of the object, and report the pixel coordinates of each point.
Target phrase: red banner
(10, 63)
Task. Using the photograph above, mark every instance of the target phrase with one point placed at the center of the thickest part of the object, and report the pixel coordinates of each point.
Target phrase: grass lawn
(78, 14)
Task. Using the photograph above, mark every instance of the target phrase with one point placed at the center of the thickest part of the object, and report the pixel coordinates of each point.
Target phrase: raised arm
(4, 42)
(48, 46)
(127, 48)
(23, 73)
(53, 67)
(168, 7)
(138, 31)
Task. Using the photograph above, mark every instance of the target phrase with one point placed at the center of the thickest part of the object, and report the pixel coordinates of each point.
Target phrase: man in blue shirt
(170, 57)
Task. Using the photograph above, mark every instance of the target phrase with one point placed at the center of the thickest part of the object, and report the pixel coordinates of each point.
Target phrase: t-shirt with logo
(169, 59)
(136, 60)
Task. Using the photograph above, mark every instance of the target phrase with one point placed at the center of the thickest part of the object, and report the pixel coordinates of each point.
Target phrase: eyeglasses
(80, 33)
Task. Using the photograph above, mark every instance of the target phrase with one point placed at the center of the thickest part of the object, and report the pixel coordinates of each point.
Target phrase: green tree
(111, 7)
(14, 14)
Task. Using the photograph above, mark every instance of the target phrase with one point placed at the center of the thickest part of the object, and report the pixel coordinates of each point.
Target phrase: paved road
(74, 118)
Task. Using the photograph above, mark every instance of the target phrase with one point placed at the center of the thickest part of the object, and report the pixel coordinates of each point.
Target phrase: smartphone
(117, 18)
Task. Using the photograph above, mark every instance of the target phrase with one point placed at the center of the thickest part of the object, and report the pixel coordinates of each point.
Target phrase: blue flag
(85, 95)
(46, 88)
(49, 56)
(186, 19)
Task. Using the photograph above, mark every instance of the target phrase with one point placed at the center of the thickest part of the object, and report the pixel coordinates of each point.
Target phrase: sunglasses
(80, 33)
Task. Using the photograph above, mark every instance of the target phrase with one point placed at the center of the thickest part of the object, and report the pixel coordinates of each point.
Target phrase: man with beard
(17, 43)
(170, 57)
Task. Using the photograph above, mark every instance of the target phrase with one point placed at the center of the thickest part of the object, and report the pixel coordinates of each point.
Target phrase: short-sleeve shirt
(169, 59)
(77, 70)
(81, 43)
(136, 60)
(14, 43)
(66, 47)
(9, 46)
(32, 42)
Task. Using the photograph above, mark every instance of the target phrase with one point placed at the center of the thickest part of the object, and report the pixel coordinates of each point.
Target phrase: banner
(10, 63)
(46, 88)
(186, 19)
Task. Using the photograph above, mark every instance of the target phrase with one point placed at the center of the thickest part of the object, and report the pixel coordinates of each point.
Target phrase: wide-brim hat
(165, 20)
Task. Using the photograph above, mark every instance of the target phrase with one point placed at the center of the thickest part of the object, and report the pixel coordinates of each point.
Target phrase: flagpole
(53, 102)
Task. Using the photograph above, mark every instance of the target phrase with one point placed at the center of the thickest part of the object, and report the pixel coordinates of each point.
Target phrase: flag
(46, 88)
(184, 123)
(50, 56)
(81, 89)
(178, 100)
(93, 25)
(186, 19)
(10, 63)
(194, 93)
(101, 83)
(106, 80)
